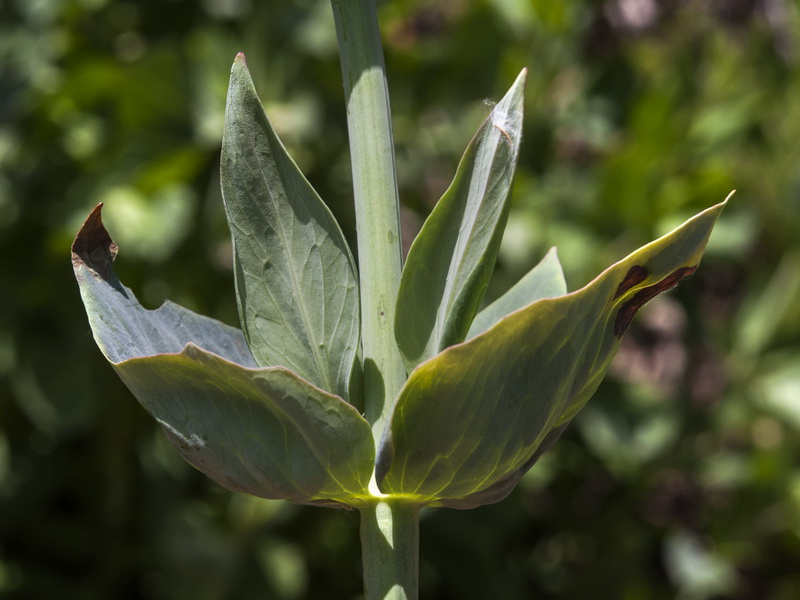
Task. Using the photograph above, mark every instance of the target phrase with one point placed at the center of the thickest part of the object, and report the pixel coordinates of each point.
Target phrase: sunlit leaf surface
(451, 260)
(295, 278)
(473, 418)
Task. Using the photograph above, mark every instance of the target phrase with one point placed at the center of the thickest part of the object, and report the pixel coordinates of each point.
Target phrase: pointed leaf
(451, 260)
(264, 431)
(122, 327)
(295, 277)
(471, 419)
(545, 280)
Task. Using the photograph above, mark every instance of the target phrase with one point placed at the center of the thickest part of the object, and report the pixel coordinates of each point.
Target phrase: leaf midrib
(321, 363)
(456, 267)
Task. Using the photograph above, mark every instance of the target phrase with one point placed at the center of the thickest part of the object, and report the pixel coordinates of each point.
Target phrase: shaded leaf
(545, 280)
(500, 489)
(264, 431)
(475, 415)
(451, 260)
(296, 283)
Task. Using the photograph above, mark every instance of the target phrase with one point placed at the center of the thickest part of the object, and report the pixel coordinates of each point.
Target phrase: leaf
(123, 328)
(452, 258)
(502, 488)
(296, 282)
(471, 419)
(264, 431)
(545, 280)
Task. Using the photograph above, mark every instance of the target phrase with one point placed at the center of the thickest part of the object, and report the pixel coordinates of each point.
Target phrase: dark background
(681, 479)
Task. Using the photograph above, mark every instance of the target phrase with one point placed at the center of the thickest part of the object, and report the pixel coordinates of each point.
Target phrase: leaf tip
(239, 65)
(518, 88)
(93, 246)
(506, 115)
(728, 197)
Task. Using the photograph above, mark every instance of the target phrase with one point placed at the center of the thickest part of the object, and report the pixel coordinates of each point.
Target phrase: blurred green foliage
(682, 477)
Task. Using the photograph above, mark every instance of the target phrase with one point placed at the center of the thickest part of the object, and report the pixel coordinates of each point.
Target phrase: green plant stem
(376, 201)
(390, 549)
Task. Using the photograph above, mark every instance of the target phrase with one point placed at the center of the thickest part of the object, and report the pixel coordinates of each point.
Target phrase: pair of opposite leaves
(271, 411)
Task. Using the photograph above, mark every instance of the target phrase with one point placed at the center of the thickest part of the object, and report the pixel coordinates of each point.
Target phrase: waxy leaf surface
(296, 282)
(471, 420)
(264, 431)
(451, 260)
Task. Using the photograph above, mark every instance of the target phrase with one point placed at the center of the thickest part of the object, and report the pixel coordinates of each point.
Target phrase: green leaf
(264, 431)
(122, 327)
(451, 260)
(472, 419)
(545, 280)
(295, 277)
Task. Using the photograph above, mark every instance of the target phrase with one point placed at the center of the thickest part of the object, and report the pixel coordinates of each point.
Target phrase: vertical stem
(389, 527)
(376, 201)
(390, 549)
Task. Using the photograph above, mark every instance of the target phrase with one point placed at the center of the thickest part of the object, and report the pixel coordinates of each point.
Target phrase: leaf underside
(470, 421)
(264, 431)
(452, 258)
(296, 282)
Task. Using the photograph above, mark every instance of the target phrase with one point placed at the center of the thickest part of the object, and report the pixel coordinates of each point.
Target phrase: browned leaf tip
(643, 296)
(93, 246)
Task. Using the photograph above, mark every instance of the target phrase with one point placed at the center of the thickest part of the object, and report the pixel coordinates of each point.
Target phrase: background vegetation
(682, 477)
